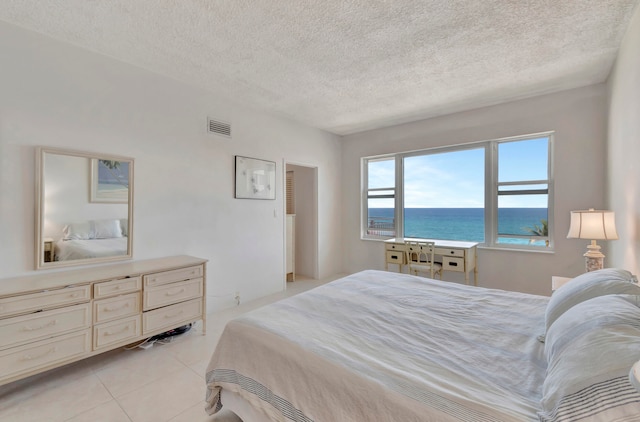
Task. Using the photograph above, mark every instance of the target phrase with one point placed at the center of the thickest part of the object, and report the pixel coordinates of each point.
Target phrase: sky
(455, 179)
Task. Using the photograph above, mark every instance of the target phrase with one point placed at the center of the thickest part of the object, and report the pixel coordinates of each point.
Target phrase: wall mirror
(84, 204)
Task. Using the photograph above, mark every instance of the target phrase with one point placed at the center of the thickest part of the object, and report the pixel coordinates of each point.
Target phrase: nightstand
(557, 282)
(47, 249)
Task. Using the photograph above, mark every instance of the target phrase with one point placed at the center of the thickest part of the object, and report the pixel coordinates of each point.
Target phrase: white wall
(57, 95)
(578, 118)
(623, 185)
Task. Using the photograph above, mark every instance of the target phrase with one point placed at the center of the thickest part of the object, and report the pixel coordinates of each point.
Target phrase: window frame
(365, 196)
(491, 190)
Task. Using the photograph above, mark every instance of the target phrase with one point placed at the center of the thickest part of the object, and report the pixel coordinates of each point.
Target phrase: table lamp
(594, 225)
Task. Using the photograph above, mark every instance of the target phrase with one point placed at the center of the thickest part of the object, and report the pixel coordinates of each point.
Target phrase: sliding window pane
(523, 160)
(380, 219)
(523, 219)
(381, 173)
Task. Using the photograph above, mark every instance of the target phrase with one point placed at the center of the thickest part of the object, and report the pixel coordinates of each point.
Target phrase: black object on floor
(171, 333)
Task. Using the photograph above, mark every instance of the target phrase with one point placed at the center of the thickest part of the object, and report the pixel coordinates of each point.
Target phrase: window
(380, 197)
(494, 192)
(523, 192)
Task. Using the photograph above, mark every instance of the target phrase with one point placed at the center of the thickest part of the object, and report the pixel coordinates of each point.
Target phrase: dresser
(49, 320)
(455, 256)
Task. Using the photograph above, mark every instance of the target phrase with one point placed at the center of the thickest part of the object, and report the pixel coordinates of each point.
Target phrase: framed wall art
(255, 179)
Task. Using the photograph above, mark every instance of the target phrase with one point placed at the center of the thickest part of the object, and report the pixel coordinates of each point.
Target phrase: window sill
(549, 251)
(375, 239)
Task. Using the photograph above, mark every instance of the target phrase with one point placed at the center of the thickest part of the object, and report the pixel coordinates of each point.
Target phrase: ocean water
(463, 223)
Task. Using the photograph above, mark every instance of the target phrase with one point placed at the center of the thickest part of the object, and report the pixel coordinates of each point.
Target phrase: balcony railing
(381, 226)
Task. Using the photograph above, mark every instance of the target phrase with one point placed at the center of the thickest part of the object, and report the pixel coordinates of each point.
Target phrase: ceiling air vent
(219, 128)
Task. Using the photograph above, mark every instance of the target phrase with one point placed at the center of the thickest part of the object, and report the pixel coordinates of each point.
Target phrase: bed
(92, 239)
(381, 346)
(90, 248)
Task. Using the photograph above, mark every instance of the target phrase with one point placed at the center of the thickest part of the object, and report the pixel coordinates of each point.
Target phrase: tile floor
(163, 383)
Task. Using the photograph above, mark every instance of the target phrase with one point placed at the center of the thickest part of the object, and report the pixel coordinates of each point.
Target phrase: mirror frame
(41, 152)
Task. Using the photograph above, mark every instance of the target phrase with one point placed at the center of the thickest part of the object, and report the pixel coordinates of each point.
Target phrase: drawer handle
(32, 357)
(173, 315)
(74, 295)
(116, 308)
(40, 327)
(175, 293)
(112, 333)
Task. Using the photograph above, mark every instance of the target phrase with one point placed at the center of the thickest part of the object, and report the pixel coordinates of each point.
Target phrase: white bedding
(381, 346)
(92, 248)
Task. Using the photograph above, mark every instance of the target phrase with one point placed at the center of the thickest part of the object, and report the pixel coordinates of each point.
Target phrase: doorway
(301, 221)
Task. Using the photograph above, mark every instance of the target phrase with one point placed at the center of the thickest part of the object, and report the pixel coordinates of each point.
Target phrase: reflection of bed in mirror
(92, 239)
(66, 250)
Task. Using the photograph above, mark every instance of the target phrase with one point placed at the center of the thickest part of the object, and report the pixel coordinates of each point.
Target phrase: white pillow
(93, 229)
(106, 229)
(591, 349)
(77, 231)
(601, 311)
(587, 286)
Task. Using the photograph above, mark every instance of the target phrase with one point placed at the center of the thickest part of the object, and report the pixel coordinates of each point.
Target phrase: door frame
(314, 218)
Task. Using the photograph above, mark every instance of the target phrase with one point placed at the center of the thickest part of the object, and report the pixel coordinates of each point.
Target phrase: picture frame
(109, 181)
(255, 178)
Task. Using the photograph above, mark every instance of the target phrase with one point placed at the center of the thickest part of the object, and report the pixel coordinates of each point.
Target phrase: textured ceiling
(347, 66)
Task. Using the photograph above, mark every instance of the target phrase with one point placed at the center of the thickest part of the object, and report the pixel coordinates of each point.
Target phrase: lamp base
(593, 264)
(594, 259)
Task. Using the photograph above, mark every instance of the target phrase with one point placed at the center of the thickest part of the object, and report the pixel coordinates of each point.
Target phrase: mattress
(385, 346)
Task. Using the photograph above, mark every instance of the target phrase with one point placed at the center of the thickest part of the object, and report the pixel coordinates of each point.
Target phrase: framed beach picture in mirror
(109, 181)
(255, 179)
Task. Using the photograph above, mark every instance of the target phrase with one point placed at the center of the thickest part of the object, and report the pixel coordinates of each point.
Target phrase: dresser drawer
(171, 316)
(116, 307)
(44, 300)
(396, 257)
(395, 247)
(34, 356)
(449, 252)
(22, 329)
(452, 264)
(121, 331)
(173, 276)
(167, 294)
(116, 287)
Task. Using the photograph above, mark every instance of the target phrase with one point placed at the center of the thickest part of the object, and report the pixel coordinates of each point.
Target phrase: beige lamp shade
(593, 224)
